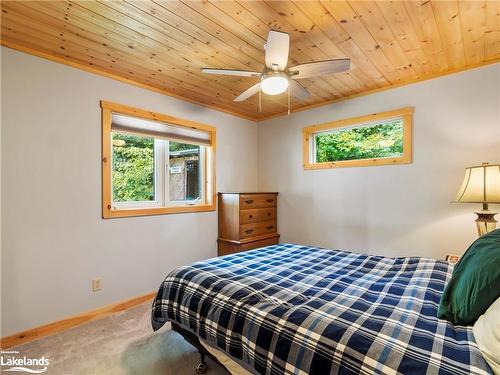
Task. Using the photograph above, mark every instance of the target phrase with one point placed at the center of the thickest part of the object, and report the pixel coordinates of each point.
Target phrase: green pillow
(475, 283)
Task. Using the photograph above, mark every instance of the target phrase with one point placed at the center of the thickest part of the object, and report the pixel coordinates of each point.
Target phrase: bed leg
(202, 366)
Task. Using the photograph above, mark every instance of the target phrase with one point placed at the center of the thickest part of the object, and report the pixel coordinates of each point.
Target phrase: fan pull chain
(288, 100)
(260, 100)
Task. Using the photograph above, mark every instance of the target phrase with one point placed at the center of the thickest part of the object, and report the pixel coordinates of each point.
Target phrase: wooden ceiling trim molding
(161, 45)
(435, 75)
(100, 72)
(90, 69)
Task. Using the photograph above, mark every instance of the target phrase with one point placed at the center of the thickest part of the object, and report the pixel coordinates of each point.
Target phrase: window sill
(358, 163)
(111, 213)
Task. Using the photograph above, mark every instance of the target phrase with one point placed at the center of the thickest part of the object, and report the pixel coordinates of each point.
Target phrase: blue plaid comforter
(290, 309)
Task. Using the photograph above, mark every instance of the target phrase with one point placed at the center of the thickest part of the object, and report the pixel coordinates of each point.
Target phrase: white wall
(54, 239)
(390, 210)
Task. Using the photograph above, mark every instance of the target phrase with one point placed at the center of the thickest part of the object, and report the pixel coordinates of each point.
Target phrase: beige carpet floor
(121, 344)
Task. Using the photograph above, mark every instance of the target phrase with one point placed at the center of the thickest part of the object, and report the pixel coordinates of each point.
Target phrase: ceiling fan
(276, 77)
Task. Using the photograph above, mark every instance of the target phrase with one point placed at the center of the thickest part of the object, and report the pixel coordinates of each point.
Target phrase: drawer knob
(248, 231)
(250, 216)
(249, 201)
(270, 227)
(270, 200)
(268, 214)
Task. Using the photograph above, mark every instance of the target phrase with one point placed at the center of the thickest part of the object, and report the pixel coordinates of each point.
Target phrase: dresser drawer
(260, 243)
(257, 229)
(231, 247)
(257, 200)
(255, 215)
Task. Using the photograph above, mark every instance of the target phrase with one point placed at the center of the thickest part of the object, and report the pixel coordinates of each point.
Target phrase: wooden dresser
(246, 221)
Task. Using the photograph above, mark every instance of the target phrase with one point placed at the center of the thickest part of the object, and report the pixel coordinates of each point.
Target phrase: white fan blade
(298, 91)
(277, 48)
(319, 68)
(248, 93)
(231, 72)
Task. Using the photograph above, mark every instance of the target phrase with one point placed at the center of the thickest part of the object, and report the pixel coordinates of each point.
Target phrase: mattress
(293, 309)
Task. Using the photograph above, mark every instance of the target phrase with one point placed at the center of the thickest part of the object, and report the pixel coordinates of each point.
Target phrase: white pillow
(487, 334)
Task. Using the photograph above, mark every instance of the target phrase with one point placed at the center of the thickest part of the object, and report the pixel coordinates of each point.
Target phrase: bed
(293, 309)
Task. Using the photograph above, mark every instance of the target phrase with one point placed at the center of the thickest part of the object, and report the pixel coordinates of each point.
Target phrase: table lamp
(482, 185)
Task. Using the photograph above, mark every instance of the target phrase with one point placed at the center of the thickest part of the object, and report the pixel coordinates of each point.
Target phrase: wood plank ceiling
(163, 44)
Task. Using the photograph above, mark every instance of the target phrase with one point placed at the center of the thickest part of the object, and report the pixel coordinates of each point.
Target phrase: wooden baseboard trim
(64, 324)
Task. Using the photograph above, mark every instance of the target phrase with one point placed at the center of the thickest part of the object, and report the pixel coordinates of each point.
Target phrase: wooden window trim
(108, 108)
(405, 113)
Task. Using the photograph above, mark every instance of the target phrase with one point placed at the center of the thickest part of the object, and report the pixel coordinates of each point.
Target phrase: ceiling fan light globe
(274, 85)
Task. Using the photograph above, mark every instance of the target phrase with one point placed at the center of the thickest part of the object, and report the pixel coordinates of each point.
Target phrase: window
(377, 139)
(155, 164)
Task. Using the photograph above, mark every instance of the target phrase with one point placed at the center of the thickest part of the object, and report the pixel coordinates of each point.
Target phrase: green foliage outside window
(176, 146)
(133, 168)
(378, 141)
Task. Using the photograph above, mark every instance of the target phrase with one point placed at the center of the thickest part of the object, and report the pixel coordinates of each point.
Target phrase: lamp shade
(481, 184)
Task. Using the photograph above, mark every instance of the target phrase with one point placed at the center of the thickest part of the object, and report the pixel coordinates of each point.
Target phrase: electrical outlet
(96, 285)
